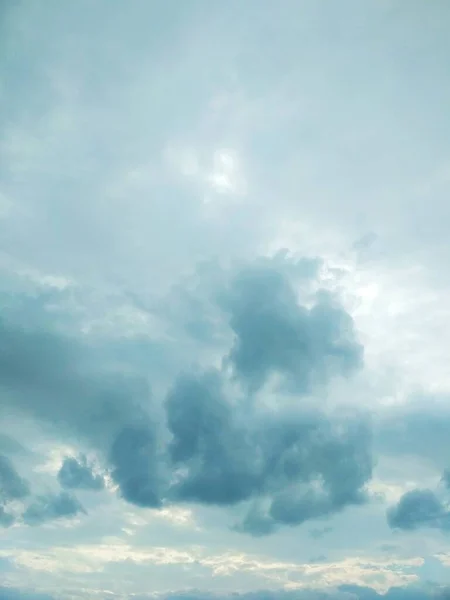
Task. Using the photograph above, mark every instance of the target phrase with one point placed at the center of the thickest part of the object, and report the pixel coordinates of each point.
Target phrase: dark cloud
(207, 439)
(6, 520)
(51, 507)
(290, 466)
(38, 369)
(418, 428)
(135, 465)
(303, 465)
(77, 474)
(274, 333)
(419, 508)
(64, 383)
(12, 485)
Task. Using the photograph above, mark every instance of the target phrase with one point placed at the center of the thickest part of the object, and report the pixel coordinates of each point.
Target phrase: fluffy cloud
(274, 333)
(140, 147)
(419, 508)
(6, 519)
(305, 465)
(12, 486)
(51, 507)
(217, 446)
(77, 474)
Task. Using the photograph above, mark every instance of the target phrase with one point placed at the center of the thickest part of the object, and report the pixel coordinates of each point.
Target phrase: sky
(224, 300)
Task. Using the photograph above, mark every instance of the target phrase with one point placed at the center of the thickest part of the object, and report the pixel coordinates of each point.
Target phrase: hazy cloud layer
(224, 298)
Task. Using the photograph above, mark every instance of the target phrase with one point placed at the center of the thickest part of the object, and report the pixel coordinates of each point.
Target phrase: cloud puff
(274, 333)
(77, 474)
(6, 520)
(207, 445)
(304, 465)
(12, 485)
(50, 507)
(135, 465)
(419, 508)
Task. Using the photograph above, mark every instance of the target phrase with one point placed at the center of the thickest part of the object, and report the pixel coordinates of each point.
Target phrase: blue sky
(224, 284)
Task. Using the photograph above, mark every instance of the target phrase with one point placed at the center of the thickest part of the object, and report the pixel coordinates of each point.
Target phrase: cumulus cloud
(216, 447)
(51, 507)
(12, 485)
(76, 473)
(302, 464)
(274, 333)
(419, 508)
(134, 460)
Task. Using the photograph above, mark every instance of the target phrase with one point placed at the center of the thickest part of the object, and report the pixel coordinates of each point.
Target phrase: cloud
(302, 465)
(9, 593)
(318, 533)
(12, 486)
(134, 459)
(419, 508)
(274, 333)
(343, 592)
(77, 474)
(217, 445)
(51, 507)
(6, 520)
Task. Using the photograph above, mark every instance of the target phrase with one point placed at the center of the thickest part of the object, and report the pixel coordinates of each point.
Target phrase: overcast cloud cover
(224, 300)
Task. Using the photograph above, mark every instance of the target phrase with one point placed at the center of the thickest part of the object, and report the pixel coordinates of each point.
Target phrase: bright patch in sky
(224, 300)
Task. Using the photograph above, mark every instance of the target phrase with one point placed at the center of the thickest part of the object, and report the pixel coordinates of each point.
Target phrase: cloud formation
(302, 464)
(419, 508)
(217, 446)
(12, 485)
(9, 593)
(51, 507)
(274, 333)
(76, 473)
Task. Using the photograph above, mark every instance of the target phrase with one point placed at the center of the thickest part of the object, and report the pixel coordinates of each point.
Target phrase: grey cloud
(9, 593)
(418, 592)
(134, 459)
(51, 507)
(303, 465)
(290, 466)
(343, 592)
(274, 333)
(65, 383)
(318, 533)
(6, 520)
(77, 474)
(12, 485)
(318, 559)
(39, 368)
(419, 508)
(207, 439)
